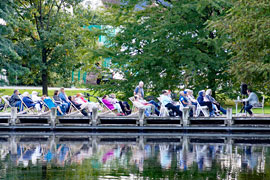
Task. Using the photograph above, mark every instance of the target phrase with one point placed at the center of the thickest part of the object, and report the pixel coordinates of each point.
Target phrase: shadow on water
(133, 156)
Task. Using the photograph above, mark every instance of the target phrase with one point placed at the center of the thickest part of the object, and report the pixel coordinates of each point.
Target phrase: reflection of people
(165, 156)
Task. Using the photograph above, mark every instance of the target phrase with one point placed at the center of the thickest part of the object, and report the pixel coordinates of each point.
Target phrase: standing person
(252, 101)
(168, 103)
(202, 102)
(15, 101)
(139, 91)
(64, 98)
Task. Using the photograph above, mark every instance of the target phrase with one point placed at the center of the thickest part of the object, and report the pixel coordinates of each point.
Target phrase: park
(134, 89)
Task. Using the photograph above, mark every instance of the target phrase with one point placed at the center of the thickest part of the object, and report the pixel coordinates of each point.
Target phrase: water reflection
(53, 158)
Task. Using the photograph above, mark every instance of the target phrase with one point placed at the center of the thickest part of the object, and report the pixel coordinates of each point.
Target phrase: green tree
(247, 26)
(51, 37)
(167, 45)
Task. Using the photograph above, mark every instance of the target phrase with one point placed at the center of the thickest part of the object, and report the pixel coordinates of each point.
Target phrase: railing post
(185, 115)
(141, 143)
(229, 117)
(94, 116)
(13, 145)
(141, 116)
(94, 145)
(13, 116)
(53, 116)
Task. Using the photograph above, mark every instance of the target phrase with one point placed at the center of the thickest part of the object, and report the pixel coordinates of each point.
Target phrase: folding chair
(204, 110)
(260, 105)
(164, 112)
(109, 111)
(29, 110)
(75, 108)
(7, 105)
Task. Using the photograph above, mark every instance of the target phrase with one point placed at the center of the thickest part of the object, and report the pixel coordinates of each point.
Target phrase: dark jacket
(28, 102)
(200, 99)
(13, 99)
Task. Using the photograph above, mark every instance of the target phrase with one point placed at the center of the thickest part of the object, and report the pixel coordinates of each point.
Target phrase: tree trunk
(44, 72)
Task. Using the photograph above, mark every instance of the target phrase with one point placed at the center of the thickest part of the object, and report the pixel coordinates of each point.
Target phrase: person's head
(189, 92)
(202, 93)
(62, 90)
(16, 92)
(165, 92)
(113, 96)
(208, 92)
(43, 97)
(181, 93)
(185, 93)
(78, 95)
(249, 91)
(56, 92)
(25, 94)
(141, 84)
(34, 93)
(105, 97)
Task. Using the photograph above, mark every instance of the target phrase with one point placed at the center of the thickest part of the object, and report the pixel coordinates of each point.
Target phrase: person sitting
(186, 103)
(15, 101)
(35, 98)
(116, 106)
(60, 102)
(84, 103)
(202, 101)
(149, 108)
(168, 103)
(123, 104)
(78, 106)
(252, 101)
(139, 91)
(213, 101)
(29, 102)
(64, 97)
(50, 104)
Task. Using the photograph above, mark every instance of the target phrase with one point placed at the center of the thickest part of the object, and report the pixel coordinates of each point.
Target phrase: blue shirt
(28, 102)
(62, 96)
(183, 99)
(140, 91)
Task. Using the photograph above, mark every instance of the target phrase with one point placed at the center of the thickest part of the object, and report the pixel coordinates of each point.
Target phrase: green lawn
(256, 111)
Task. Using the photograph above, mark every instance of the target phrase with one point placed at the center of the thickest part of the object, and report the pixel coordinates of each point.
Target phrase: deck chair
(7, 105)
(76, 110)
(134, 109)
(27, 110)
(260, 105)
(164, 112)
(204, 110)
(106, 107)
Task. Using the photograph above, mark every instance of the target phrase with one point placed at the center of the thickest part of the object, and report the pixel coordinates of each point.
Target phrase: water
(153, 157)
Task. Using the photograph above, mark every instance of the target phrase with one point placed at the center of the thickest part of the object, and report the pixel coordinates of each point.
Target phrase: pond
(133, 158)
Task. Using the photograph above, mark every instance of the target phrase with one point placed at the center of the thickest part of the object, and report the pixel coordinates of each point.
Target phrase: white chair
(7, 105)
(204, 110)
(164, 112)
(260, 105)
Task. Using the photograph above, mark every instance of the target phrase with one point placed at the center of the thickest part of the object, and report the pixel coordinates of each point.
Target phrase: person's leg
(154, 103)
(122, 107)
(19, 106)
(210, 107)
(248, 109)
(222, 110)
(175, 109)
(118, 107)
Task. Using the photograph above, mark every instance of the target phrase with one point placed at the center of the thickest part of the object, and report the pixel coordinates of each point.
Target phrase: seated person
(252, 101)
(186, 103)
(213, 101)
(123, 104)
(62, 95)
(15, 101)
(168, 103)
(84, 103)
(140, 93)
(35, 98)
(50, 104)
(59, 101)
(106, 101)
(78, 106)
(202, 101)
(149, 108)
(190, 97)
(29, 102)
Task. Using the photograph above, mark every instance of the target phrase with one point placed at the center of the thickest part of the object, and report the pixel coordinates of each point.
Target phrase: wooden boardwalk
(138, 123)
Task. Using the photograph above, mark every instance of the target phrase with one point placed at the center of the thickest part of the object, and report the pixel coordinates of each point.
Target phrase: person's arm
(136, 91)
(247, 99)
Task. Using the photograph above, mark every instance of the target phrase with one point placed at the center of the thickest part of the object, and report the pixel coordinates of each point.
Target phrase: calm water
(132, 158)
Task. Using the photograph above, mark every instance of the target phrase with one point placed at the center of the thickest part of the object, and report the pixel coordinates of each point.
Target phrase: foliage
(247, 26)
(51, 39)
(167, 46)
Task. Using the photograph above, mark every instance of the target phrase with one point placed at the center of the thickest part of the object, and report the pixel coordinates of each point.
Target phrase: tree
(167, 45)
(9, 59)
(51, 37)
(247, 26)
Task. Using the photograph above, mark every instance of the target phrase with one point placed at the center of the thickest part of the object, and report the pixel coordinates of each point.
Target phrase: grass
(256, 111)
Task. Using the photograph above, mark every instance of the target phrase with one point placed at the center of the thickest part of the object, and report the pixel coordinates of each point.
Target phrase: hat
(185, 92)
(34, 93)
(25, 94)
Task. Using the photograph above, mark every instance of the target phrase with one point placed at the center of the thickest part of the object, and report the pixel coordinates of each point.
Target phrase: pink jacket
(108, 104)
